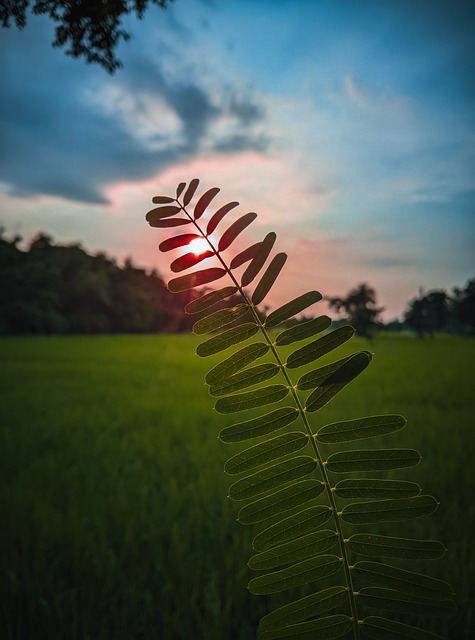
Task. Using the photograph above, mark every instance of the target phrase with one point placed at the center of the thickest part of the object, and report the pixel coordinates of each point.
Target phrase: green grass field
(115, 522)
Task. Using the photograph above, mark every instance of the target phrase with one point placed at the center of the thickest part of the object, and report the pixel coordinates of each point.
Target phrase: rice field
(115, 521)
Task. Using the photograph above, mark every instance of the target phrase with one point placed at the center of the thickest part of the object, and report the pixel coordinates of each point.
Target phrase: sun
(198, 246)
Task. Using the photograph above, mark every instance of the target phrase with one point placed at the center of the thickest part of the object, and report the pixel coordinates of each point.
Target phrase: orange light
(198, 246)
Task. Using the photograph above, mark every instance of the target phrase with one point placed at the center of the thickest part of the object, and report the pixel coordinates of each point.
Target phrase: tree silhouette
(428, 313)
(360, 308)
(91, 29)
(463, 303)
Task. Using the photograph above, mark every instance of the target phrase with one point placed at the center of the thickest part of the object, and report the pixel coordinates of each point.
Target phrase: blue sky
(348, 126)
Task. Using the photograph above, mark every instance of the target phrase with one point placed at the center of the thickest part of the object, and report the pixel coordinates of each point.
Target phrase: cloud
(70, 131)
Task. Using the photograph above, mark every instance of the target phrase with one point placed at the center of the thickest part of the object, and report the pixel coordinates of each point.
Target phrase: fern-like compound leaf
(285, 480)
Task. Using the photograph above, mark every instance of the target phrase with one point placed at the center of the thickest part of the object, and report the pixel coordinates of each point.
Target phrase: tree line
(52, 288)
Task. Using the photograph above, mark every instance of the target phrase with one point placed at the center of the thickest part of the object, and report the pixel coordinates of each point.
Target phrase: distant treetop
(89, 28)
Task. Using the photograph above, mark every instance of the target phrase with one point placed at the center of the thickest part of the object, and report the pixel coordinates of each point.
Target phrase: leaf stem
(302, 411)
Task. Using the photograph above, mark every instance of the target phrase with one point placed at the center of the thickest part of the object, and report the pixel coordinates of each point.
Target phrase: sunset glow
(198, 246)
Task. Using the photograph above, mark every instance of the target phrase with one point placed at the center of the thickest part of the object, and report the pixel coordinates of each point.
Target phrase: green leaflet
(266, 451)
(320, 347)
(376, 628)
(390, 600)
(272, 477)
(293, 496)
(280, 483)
(161, 212)
(384, 575)
(204, 201)
(337, 381)
(219, 215)
(235, 229)
(389, 510)
(303, 330)
(219, 319)
(298, 574)
(375, 546)
(270, 276)
(350, 430)
(252, 399)
(292, 527)
(310, 545)
(189, 260)
(292, 308)
(178, 241)
(371, 488)
(190, 192)
(372, 460)
(227, 339)
(308, 607)
(260, 426)
(236, 362)
(321, 629)
(245, 256)
(209, 300)
(195, 279)
(314, 378)
(244, 379)
(259, 259)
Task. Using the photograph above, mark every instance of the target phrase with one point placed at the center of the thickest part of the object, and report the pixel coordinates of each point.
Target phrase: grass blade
(350, 430)
(337, 381)
(293, 527)
(416, 584)
(308, 607)
(270, 276)
(272, 477)
(292, 308)
(372, 460)
(303, 330)
(288, 498)
(235, 229)
(375, 546)
(219, 319)
(312, 544)
(209, 300)
(195, 279)
(320, 347)
(259, 259)
(244, 379)
(375, 628)
(219, 215)
(390, 600)
(266, 451)
(204, 201)
(389, 510)
(371, 488)
(299, 574)
(227, 339)
(260, 426)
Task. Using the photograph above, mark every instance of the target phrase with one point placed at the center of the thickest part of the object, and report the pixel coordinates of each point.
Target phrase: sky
(348, 126)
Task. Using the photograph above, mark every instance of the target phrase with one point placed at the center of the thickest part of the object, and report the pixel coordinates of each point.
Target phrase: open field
(115, 523)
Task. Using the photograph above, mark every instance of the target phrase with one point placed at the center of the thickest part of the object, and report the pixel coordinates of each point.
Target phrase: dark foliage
(89, 28)
(53, 288)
